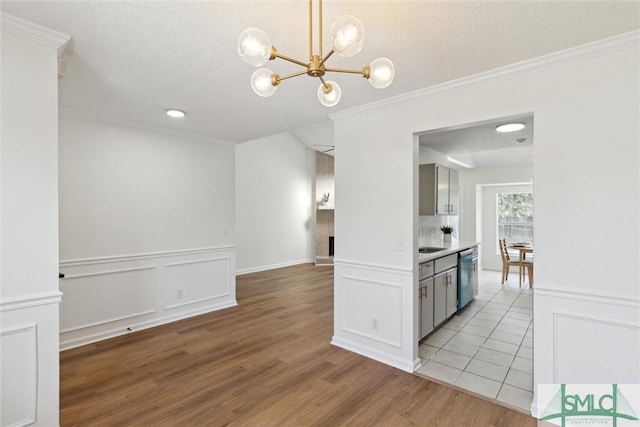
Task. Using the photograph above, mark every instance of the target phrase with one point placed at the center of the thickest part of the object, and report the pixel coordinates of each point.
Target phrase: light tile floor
(488, 347)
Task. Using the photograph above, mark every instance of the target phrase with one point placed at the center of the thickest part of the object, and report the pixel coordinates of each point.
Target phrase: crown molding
(111, 119)
(597, 48)
(34, 32)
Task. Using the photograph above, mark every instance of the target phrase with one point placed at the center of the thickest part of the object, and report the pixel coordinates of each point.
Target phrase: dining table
(523, 249)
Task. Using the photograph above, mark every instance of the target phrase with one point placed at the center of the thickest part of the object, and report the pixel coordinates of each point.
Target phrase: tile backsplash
(429, 227)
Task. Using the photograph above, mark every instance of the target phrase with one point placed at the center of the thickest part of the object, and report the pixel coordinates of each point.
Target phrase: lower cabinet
(425, 296)
(437, 292)
(445, 295)
(452, 292)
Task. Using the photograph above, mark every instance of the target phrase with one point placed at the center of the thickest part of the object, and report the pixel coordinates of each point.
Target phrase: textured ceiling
(480, 145)
(134, 59)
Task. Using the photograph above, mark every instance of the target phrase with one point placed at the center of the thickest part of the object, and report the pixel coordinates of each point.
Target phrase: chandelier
(347, 39)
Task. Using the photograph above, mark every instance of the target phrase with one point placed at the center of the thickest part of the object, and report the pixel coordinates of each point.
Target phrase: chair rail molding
(33, 300)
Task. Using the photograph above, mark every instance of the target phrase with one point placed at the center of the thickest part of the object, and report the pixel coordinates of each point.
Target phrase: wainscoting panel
(190, 282)
(19, 355)
(383, 312)
(584, 337)
(374, 312)
(606, 344)
(107, 296)
(111, 296)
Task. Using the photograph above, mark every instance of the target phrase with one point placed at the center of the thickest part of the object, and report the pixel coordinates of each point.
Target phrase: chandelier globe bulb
(347, 36)
(329, 93)
(254, 46)
(261, 82)
(382, 73)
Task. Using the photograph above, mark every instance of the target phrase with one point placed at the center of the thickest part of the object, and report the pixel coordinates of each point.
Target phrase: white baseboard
(66, 344)
(374, 354)
(273, 266)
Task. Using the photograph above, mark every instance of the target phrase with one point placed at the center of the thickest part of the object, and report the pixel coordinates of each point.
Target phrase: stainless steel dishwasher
(468, 276)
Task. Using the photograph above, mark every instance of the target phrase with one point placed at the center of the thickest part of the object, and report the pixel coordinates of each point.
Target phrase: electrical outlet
(179, 294)
(225, 231)
(400, 245)
(375, 324)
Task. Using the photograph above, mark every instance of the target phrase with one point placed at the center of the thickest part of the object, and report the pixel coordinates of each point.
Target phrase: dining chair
(507, 263)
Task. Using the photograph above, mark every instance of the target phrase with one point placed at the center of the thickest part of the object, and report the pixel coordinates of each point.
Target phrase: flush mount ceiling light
(175, 113)
(510, 127)
(347, 39)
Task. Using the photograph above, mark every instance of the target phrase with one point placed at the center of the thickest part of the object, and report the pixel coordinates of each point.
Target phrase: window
(515, 217)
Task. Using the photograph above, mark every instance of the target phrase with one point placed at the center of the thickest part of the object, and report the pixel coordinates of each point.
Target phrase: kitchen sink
(430, 249)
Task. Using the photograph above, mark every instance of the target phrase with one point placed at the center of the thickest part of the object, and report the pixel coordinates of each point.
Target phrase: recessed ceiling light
(510, 127)
(175, 113)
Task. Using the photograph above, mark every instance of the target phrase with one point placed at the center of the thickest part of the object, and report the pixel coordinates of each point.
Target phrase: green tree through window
(515, 217)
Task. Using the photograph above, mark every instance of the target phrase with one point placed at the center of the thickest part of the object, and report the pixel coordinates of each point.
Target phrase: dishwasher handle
(468, 253)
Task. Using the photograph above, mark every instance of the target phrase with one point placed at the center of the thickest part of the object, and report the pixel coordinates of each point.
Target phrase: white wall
(586, 104)
(469, 181)
(275, 209)
(472, 184)
(29, 299)
(146, 226)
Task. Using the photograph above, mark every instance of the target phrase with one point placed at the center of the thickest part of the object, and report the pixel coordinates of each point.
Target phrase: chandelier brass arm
(275, 54)
(331, 52)
(276, 79)
(366, 71)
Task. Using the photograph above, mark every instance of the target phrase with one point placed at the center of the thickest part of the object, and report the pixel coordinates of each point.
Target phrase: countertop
(450, 248)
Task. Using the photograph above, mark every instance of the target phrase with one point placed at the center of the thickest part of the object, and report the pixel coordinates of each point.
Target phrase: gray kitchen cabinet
(425, 291)
(437, 292)
(439, 298)
(425, 298)
(445, 295)
(452, 291)
(438, 190)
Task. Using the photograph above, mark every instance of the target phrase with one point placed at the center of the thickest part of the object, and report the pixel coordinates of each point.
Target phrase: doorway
(487, 348)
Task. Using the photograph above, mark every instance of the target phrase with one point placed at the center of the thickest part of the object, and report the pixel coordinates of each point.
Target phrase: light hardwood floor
(266, 362)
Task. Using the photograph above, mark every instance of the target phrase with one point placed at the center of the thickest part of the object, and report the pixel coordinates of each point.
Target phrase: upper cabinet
(438, 187)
